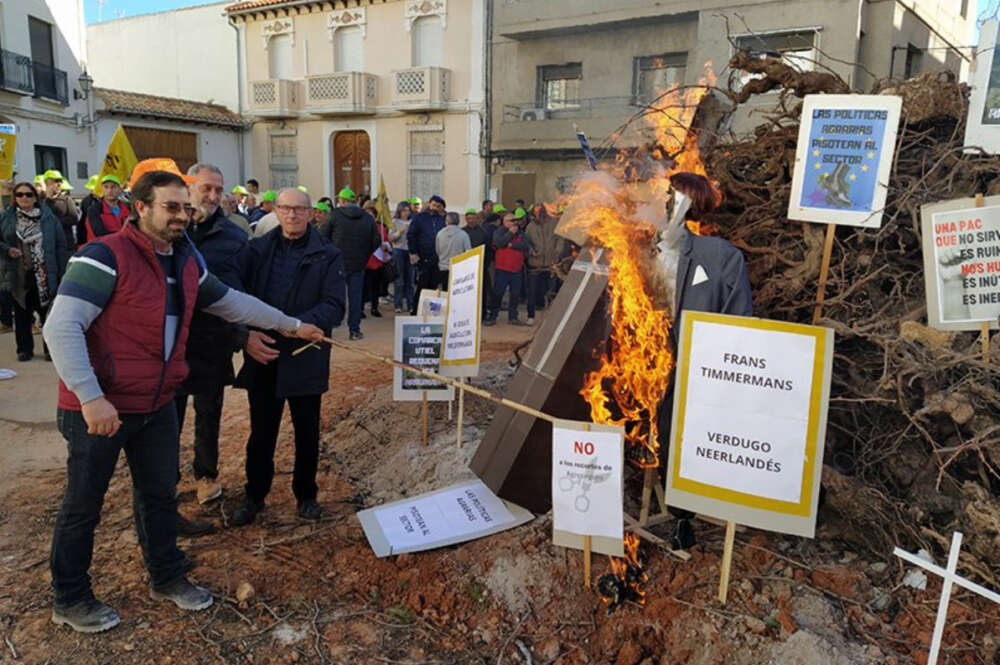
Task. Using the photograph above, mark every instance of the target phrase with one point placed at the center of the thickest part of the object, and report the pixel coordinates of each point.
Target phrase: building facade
(342, 93)
(596, 64)
(42, 52)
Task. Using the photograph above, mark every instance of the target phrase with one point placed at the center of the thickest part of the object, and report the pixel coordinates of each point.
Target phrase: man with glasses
(294, 269)
(118, 330)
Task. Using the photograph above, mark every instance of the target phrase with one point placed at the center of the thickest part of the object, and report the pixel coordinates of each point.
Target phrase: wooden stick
(461, 410)
(632, 524)
(586, 560)
(824, 273)
(661, 497)
(424, 412)
(647, 491)
(985, 340)
(479, 392)
(727, 561)
(449, 409)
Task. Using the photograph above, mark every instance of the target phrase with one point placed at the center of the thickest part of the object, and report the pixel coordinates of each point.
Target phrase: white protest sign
(418, 343)
(843, 159)
(587, 479)
(749, 420)
(460, 352)
(432, 303)
(961, 263)
(452, 515)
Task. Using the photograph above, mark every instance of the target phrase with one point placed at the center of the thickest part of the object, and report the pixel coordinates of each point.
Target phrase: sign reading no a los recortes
(844, 156)
(462, 319)
(962, 263)
(418, 343)
(749, 420)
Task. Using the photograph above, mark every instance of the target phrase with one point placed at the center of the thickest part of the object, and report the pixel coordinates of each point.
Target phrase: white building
(42, 51)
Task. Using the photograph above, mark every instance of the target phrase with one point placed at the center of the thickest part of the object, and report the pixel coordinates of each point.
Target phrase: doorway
(352, 163)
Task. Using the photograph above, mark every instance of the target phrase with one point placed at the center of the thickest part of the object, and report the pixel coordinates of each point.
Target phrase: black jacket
(212, 341)
(353, 232)
(477, 235)
(317, 297)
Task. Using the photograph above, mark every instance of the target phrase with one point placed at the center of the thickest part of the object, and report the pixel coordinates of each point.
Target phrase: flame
(617, 206)
(631, 578)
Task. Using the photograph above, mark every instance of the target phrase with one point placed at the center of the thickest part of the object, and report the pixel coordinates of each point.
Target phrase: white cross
(950, 578)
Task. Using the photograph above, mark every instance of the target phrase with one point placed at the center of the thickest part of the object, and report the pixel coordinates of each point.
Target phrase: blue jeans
(150, 442)
(355, 299)
(538, 287)
(503, 280)
(402, 288)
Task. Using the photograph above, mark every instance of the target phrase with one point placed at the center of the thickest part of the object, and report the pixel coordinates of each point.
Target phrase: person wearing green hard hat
(320, 213)
(499, 209)
(92, 182)
(354, 233)
(106, 214)
(266, 207)
(93, 188)
(415, 204)
(62, 206)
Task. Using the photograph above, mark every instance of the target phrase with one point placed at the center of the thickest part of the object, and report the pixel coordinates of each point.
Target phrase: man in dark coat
(294, 269)
(421, 238)
(353, 232)
(211, 341)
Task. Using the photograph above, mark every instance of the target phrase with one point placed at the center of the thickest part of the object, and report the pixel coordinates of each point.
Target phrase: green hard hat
(520, 213)
(322, 206)
(110, 178)
(52, 174)
(347, 194)
(499, 207)
(471, 211)
(39, 179)
(92, 181)
(416, 201)
(240, 189)
(269, 195)
(303, 189)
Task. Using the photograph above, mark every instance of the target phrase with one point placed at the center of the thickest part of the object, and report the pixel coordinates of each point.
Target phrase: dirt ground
(295, 592)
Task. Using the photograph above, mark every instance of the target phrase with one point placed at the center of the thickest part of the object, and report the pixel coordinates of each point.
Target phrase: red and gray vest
(125, 341)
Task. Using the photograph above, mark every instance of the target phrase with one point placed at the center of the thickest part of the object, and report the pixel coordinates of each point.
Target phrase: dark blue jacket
(421, 234)
(317, 297)
(212, 341)
(54, 246)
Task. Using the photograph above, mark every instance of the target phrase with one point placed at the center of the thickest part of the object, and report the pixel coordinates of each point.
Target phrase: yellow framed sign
(749, 420)
(463, 315)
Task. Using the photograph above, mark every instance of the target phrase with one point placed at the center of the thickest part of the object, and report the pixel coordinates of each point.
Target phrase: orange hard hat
(156, 164)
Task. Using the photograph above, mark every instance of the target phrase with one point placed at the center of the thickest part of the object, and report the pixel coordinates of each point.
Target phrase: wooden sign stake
(727, 561)
(824, 273)
(950, 578)
(587, 553)
(461, 410)
(424, 417)
(985, 326)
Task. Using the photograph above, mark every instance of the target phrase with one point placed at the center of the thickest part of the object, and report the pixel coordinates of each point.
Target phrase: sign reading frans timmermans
(749, 420)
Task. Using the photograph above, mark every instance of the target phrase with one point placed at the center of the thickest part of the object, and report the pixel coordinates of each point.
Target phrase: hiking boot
(184, 595)
(209, 489)
(87, 616)
(310, 510)
(247, 512)
(357, 335)
(192, 529)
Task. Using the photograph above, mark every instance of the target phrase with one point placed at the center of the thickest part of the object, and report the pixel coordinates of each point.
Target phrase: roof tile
(120, 101)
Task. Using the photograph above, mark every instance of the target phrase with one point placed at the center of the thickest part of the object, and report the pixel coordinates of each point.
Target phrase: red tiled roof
(134, 103)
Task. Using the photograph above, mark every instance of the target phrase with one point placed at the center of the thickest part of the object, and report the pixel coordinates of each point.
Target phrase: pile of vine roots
(913, 440)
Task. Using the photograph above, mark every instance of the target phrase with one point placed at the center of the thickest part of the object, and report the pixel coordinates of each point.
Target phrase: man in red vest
(119, 327)
(107, 214)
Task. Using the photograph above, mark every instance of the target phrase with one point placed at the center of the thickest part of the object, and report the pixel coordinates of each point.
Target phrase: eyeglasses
(24, 195)
(173, 207)
(298, 210)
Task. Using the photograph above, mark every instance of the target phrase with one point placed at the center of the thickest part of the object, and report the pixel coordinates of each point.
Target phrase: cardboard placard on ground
(749, 420)
(962, 263)
(455, 514)
(587, 494)
(843, 159)
(418, 343)
(463, 326)
(432, 303)
(982, 127)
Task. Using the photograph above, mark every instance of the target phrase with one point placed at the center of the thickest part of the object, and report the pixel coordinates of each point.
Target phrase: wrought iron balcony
(16, 72)
(50, 83)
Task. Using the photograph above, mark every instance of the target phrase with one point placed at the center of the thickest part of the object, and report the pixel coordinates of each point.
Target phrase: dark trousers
(443, 278)
(373, 287)
(538, 288)
(207, 415)
(24, 317)
(402, 290)
(265, 421)
(355, 299)
(428, 277)
(503, 280)
(489, 296)
(6, 308)
(150, 444)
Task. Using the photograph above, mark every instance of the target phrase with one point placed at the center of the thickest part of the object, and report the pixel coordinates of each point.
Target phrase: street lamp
(86, 82)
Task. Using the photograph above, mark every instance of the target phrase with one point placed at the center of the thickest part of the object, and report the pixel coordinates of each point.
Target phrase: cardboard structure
(515, 457)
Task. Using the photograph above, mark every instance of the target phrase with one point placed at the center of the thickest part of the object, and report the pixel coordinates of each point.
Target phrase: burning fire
(627, 579)
(620, 207)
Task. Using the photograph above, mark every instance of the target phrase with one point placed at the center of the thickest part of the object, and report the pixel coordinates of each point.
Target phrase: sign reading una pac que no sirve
(843, 159)
(418, 343)
(749, 420)
(962, 263)
(460, 352)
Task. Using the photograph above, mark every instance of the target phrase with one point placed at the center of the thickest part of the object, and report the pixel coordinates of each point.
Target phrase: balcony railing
(341, 93)
(50, 82)
(16, 72)
(275, 98)
(421, 88)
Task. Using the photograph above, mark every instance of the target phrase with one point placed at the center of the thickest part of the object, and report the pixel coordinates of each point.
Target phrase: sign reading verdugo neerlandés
(460, 353)
(843, 159)
(962, 263)
(749, 420)
(465, 511)
(418, 343)
(587, 479)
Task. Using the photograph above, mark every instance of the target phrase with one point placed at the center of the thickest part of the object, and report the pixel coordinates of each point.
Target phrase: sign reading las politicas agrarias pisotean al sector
(961, 245)
(460, 351)
(843, 159)
(749, 420)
